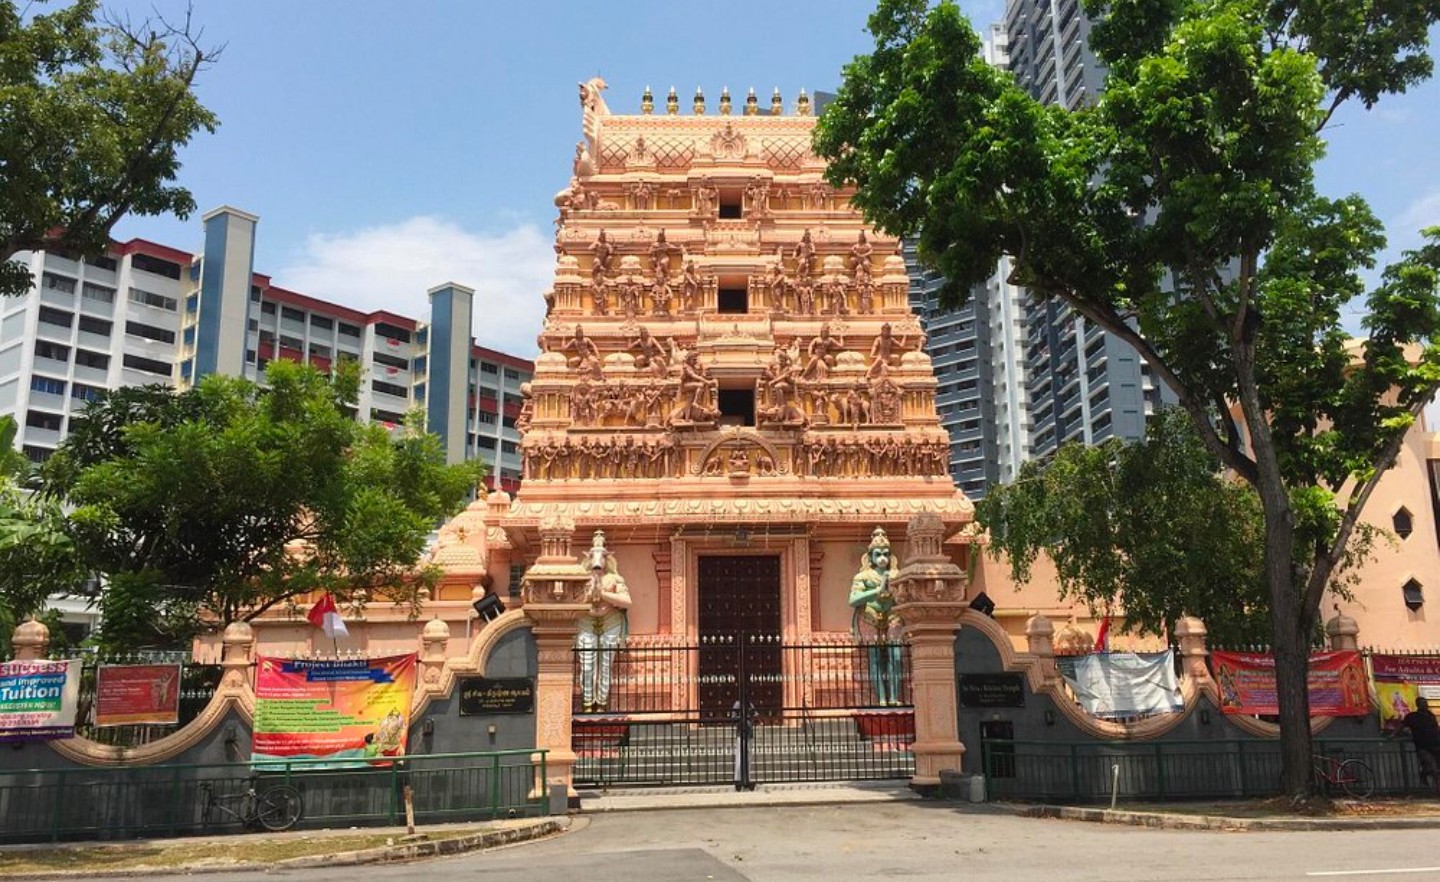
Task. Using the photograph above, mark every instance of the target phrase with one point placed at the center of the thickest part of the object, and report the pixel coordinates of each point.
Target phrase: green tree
(219, 502)
(1180, 214)
(92, 115)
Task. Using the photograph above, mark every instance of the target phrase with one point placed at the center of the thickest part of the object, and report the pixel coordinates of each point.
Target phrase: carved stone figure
(758, 195)
(778, 384)
(649, 353)
(603, 627)
(804, 296)
(820, 354)
(860, 253)
(630, 296)
(527, 408)
(660, 254)
(704, 198)
(642, 194)
(690, 287)
(697, 392)
(581, 346)
(885, 401)
(602, 253)
(661, 294)
(804, 256)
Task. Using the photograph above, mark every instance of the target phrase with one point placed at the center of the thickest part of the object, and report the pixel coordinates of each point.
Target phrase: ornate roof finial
(672, 103)
(699, 106)
(752, 104)
(777, 104)
(647, 102)
(802, 105)
(724, 100)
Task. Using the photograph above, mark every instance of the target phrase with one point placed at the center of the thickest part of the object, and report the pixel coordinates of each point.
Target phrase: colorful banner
(1125, 684)
(38, 699)
(128, 695)
(1337, 682)
(1400, 679)
(354, 711)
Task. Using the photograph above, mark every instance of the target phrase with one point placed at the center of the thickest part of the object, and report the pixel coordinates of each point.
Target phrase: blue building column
(225, 278)
(452, 309)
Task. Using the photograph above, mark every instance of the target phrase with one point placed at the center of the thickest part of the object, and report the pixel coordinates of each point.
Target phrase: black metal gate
(824, 711)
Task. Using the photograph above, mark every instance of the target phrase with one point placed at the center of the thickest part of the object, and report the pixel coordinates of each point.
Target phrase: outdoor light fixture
(982, 604)
(1204, 716)
(427, 728)
(489, 607)
(1049, 717)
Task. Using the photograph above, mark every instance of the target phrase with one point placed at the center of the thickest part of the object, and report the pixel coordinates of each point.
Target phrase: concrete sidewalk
(672, 798)
(1219, 821)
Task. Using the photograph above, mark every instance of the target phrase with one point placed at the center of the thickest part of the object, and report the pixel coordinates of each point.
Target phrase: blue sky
(388, 146)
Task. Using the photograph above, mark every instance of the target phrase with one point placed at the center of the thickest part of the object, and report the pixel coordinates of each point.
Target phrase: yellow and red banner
(1401, 679)
(137, 694)
(353, 711)
(1337, 683)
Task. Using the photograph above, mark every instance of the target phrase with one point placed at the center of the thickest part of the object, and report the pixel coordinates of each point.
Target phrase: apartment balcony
(47, 401)
(90, 340)
(56, 297)
(91, 374)
(53, 367)
(41, 437)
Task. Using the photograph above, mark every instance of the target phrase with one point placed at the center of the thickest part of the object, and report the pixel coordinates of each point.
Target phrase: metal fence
(172, 800)
(1079, 772)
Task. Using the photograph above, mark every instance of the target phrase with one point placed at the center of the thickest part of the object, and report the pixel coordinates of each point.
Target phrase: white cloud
(1419, 214)
(391, 267)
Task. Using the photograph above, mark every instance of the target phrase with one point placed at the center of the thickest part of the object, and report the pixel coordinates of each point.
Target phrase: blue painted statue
(875, 620)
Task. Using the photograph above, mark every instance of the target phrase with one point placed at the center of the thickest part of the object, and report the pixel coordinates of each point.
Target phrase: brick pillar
(1190, 633)
(555, 590)
(929, 592)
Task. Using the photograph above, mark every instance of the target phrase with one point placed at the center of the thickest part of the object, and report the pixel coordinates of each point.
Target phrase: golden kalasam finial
(752, 104)
(699, 106)
(777, 104)
(802, 104)
(672, 103)
(647, 102)
(724, 100)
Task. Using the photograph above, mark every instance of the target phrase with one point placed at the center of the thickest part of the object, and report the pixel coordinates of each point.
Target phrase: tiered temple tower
(730, 373)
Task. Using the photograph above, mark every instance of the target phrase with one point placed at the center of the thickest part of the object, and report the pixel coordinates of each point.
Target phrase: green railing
(171, 800)
(1083, 771)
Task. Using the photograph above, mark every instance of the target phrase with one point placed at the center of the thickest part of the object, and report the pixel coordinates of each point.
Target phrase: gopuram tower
(731, 390)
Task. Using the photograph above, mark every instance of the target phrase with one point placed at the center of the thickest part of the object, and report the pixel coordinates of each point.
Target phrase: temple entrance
(739, 625)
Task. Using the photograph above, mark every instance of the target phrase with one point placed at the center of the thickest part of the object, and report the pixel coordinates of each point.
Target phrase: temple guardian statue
(874, 618)
(603, 628)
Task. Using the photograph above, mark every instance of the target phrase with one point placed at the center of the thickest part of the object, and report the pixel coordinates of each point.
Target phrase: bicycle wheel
(1355, 778)
(279, 808)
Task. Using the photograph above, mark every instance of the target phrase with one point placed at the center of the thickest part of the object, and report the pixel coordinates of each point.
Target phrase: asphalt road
(910, 840)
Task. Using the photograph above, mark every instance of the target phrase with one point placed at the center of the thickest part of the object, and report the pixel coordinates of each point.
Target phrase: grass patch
(100, 859)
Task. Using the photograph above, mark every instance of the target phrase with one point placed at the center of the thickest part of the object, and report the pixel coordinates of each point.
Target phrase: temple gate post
(1190, 633)
(30, 640)
(555, 590)
(929, 599)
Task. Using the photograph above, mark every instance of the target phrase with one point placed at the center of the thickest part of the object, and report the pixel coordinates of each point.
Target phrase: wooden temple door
(740, 629)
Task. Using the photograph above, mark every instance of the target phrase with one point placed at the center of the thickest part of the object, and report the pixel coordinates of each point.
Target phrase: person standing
(1426, 732)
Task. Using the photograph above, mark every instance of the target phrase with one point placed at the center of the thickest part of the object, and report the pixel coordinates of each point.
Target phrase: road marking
(1374, 872)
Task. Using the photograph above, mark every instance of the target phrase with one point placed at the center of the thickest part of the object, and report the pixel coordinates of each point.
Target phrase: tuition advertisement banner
(1400, 679)
(38, 699)
(127, 695)
(1338, 684)
(355, 712)
(1124, 684)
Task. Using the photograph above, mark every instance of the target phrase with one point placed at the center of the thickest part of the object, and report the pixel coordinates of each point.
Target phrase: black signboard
(485, 695)
(992, 690)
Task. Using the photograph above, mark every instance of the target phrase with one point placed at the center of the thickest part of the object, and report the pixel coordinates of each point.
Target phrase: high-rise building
(146, 313)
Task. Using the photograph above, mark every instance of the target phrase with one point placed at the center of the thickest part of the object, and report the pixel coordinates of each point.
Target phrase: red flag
(326, 616)
(1102, 636)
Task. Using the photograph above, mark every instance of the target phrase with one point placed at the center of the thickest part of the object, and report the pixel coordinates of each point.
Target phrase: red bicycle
(1352, 777)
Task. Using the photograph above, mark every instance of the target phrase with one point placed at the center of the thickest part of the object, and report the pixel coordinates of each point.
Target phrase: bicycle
(276, 809)
(1352, 776)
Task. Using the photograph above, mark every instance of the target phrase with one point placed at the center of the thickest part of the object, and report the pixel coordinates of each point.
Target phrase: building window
(1404, 523)
(104, 263)
(267, 308)
(47, 385)
(321, 322)
(57, 317)
(733, 301)
(149, 298)
(737, 407)
(156, 265)
(486, 417)
(254, 293)
(92, 325)
(37, 419)
(347, 329)
(294, 315)
(147, 365)
(52, 351)
(1414, 595)
(391, 332)
(97, 360)
(489, 368)
(389, 389)
(149, 332)
(507, 447)
(98, 293)
(38, 455)
(487, 443)
(85, 393)
(730, 206)
(392, 361)
(508, 422)
(59, 283)
(512, 374)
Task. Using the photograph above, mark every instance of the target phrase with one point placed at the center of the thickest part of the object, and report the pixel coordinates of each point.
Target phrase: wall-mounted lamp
(229, 735)
(1049, 717)
(489, 607)
(1204, 716)
(427, 728)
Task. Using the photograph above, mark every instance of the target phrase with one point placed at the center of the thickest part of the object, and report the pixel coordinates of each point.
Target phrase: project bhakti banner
(355, 712)
(1401, 679)
(128, 695)
(1337, 682)
(38, 699)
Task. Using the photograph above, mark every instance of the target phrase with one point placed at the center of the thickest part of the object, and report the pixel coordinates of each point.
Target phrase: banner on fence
(355, 712)
(128, 695)
(38, 699)
(1338, 686)
(1400, 679)
(1124, 684)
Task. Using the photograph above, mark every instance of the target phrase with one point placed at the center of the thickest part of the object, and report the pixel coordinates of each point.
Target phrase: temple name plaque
(992, 690)
(487, 695)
